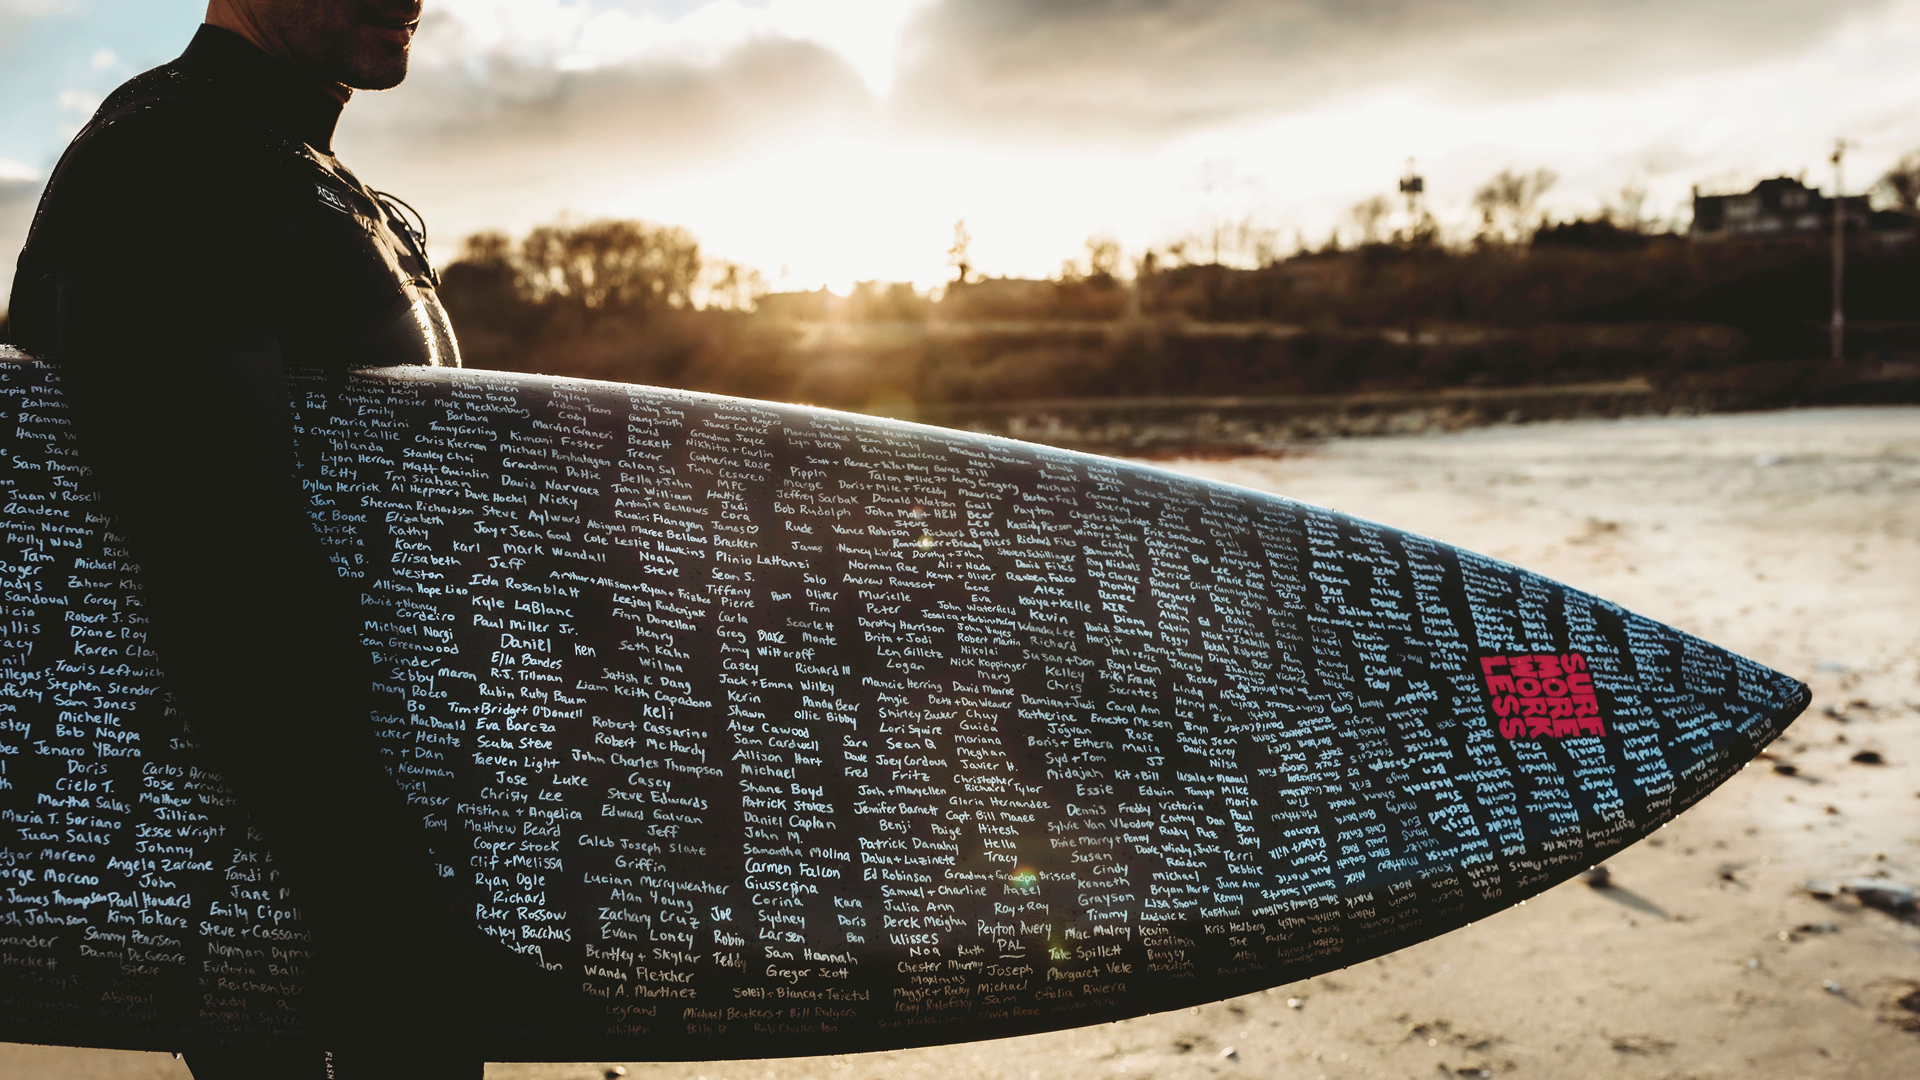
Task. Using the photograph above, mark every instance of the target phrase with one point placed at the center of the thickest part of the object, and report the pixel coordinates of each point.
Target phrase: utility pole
(1413, 185)
(1839, 331)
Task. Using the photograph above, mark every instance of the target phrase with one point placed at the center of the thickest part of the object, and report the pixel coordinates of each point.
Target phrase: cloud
(1158, 67)
(760, 82)
(583, 34)
(499, 140)
(16, 16)
(78, 100)
(565, 94)
(18, 197)
(586, 94)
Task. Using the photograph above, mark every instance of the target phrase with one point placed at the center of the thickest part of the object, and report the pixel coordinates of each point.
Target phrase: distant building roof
(1780, 208)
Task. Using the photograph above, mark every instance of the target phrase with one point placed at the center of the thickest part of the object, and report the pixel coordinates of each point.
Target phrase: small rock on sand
(1888, 896)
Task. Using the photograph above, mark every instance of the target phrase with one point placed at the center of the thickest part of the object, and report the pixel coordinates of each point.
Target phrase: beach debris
(1786, 768)
(1880, 894)
(1903, 1010)
(1229, 1054)
(615, 1072)
(1294, 1003)
(1843, 711)
(1836, 989)
(1819, 890)
(1595, 529)
(1436, 1032)
(1868, 757)
(1641, 1044)
(1597, 877)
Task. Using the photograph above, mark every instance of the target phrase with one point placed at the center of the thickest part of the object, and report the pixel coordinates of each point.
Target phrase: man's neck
(242, 20)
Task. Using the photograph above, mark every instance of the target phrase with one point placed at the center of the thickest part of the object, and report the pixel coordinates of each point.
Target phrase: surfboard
(790, 731)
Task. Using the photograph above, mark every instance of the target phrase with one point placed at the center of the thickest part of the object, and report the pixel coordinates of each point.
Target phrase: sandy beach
(1791, 537)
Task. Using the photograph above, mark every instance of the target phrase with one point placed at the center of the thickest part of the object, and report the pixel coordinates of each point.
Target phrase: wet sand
(1792, 537)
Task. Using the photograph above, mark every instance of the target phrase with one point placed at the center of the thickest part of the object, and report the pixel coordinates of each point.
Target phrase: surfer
(197, 238)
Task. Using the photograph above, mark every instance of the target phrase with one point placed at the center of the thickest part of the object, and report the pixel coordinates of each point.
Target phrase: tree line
(1392, 304)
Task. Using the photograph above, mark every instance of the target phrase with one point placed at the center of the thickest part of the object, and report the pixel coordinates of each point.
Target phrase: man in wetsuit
(197, 239)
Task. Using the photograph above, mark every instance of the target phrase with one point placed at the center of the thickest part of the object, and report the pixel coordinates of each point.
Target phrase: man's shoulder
(161, 163)
(165, 118)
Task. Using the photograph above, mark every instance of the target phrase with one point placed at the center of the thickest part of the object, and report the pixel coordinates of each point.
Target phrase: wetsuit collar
(268, 91)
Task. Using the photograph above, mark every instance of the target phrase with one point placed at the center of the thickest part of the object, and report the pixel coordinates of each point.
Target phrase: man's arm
(172, 251)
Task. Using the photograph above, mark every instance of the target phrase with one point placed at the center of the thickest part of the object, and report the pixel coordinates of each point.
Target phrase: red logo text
(1542, 695)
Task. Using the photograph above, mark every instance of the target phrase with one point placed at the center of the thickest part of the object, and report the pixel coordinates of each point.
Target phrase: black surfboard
(789, 731)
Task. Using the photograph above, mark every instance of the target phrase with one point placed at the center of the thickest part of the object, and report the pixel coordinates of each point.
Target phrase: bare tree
(1901, 184)
(484, 288)
(1506, 203)
(1103, 257)
(957, 253)
(1423, 231)
(1225, 243)
(487, 249)
(1369, 214)
(1099, 265)
(1627, 209)
(728, 286)
(608, 266)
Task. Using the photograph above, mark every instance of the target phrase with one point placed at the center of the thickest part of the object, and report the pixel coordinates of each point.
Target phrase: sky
(824, 142)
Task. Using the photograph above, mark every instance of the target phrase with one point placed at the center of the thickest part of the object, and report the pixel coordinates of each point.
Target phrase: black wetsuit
(197, 239)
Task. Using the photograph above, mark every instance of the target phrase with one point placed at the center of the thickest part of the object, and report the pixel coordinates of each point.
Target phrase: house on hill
(1784, 208)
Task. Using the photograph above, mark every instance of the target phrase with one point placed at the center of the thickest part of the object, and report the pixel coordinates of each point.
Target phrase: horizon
(827, 142)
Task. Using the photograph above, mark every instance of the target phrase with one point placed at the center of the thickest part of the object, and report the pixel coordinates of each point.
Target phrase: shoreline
(1169, 427)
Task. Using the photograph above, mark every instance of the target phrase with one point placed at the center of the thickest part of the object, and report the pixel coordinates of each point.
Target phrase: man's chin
(375, 61)
(383, 73)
